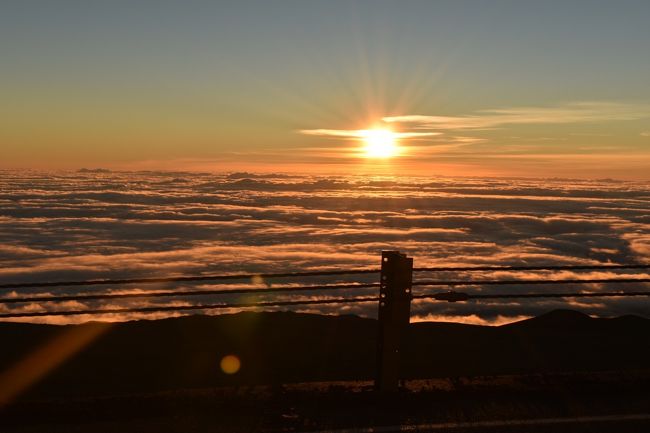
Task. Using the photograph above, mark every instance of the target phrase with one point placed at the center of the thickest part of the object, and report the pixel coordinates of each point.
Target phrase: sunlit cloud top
(96, 225)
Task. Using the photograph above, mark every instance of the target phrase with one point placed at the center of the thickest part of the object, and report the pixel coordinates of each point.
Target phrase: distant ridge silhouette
(285, 347)
(555, 318)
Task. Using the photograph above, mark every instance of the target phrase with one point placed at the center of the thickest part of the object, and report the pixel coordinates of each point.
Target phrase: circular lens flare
(379, 143)
(230, 364)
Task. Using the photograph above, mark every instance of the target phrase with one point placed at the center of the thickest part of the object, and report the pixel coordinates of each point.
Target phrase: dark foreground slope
(276, 348)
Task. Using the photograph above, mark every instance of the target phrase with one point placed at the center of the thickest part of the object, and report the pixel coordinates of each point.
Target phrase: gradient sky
(552, 88)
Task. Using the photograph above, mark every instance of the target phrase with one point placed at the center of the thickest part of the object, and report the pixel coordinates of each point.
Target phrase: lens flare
(230, 364)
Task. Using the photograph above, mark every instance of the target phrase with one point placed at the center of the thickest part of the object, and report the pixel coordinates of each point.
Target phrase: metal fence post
(394, 314)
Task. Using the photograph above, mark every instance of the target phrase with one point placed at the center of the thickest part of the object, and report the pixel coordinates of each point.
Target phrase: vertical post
(394, 314)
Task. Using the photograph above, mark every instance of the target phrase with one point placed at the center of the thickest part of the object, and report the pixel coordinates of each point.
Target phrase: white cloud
(98, 225)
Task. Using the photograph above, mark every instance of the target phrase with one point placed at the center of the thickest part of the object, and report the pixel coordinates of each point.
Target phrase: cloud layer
(88, 224)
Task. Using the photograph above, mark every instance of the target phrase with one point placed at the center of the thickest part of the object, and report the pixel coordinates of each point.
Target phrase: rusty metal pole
(394, 315)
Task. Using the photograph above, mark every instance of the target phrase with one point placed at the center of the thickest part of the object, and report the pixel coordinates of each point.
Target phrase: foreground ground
(586, 402)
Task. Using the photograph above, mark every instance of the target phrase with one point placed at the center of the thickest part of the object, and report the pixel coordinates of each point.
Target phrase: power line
(189, 307)
(185, 278)
(528, 268)
(524, 282)
(562, 295)
(445, 296)
(460, 297)
(305, 274)
(159, 294)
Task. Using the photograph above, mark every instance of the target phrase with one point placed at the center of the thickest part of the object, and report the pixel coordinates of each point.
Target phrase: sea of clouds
(95, 224)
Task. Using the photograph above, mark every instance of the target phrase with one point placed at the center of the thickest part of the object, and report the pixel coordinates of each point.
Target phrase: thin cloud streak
(361, 133)
(575, 112)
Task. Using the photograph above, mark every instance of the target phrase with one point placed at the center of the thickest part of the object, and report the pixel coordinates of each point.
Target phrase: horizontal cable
(528, 268)
(524, 282)
(303, 274)
(459, 297)
(447, 296)
(189, 307)
(562, 295)
(188, 278)
(160, 294)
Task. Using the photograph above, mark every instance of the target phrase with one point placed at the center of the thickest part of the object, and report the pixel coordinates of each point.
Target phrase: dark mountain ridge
(284, 347)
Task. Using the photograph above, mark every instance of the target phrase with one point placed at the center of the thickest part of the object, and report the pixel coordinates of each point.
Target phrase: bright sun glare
(379, 143)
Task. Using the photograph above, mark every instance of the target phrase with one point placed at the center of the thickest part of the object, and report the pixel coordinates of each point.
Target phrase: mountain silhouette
(555, 319)
(285, 347)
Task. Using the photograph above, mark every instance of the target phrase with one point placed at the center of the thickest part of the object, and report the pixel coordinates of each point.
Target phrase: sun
(379, 143)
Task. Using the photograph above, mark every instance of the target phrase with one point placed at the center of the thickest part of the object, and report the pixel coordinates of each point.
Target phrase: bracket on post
(394, 315)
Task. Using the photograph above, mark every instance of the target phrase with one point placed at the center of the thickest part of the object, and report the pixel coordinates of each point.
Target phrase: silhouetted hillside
(182, 353)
